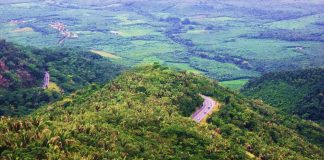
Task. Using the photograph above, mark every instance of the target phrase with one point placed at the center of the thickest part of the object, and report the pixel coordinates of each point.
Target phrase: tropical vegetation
(22, 72)
(299, 92)
(145, 114)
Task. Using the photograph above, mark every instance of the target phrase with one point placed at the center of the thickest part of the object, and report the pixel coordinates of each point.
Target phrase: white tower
(46, 80)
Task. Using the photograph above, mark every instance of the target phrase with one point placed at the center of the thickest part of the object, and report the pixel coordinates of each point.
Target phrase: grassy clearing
(213, 37)
(105, 54)
(26, 5)
(255, 49)
(197, 31)
(220, 71)
(214, 19)
(136, 31)
(151, 60)
(139, 49)
(25, 36)
(235, 85)
(300, 23)
(183, 66)
(25, 29)
(125, 20)
(262, 49)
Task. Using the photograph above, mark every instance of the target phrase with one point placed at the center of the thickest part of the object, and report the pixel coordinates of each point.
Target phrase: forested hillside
(22, 70)
(144, 114)
(298, 92)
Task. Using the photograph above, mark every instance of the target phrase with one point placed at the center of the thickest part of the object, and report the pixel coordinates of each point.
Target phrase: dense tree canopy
(22, 71)
(296, 92)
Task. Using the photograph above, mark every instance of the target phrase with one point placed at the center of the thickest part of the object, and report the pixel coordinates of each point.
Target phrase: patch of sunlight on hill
(54, 87)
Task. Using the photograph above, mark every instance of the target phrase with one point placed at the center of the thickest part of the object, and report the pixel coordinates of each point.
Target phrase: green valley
(226, 40)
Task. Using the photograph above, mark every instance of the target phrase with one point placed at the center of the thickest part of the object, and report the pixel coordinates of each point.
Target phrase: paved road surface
(205, 109)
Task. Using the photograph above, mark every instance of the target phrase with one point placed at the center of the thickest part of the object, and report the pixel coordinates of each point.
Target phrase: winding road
(206, 108)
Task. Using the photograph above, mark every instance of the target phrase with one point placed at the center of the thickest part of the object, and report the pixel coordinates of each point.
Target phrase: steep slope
(22, 71)
(296, 92)
(145, 114)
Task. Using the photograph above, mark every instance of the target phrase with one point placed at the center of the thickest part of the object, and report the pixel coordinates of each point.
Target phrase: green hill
(144, 114)
(296, 92)
(22, 71)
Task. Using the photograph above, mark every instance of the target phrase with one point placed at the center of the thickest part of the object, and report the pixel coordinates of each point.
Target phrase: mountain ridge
(145, 113)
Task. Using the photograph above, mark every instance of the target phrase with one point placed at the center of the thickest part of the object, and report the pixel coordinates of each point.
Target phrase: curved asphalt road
(205, 109)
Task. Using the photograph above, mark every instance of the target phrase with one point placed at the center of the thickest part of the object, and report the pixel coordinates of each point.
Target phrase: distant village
(63, 31)
(61, 27)
(16, 22)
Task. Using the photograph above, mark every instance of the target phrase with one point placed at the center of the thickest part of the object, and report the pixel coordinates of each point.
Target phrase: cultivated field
(226, 40)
